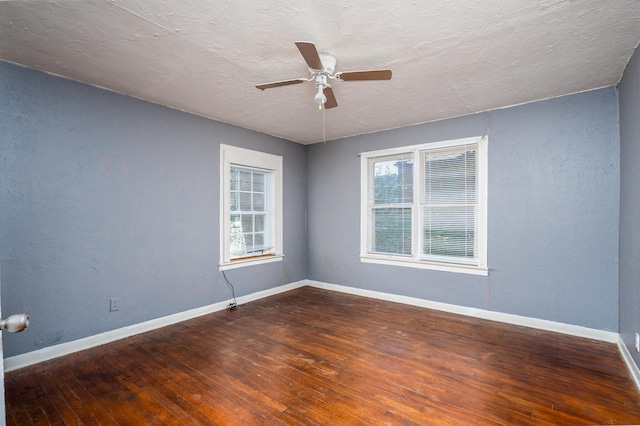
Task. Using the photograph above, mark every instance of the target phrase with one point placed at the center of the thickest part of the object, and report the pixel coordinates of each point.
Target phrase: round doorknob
(15, 323)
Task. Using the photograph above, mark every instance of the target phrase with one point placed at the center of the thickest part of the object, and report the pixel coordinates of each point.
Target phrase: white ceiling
(449, 58)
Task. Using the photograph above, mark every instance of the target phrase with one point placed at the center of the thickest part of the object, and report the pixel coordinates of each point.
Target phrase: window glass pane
(245, 201)
(393, 180)
(237, 238)
(248, 238)
(258, 182)
(234, 178)
(247, 223)
(234, 201)
(259, 222)
(391, 230)
(235, 221)
(258, 202)
(450, 231)
(258, 239)
(245, 180)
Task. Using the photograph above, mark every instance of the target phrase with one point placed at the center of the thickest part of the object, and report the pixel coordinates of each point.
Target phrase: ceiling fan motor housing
(328, 62)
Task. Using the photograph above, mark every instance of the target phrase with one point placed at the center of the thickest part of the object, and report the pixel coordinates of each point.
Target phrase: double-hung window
(425, 206)
(251, 207)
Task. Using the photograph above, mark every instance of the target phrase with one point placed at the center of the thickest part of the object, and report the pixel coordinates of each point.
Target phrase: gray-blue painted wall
(103, 195)
(630, 204)
(553, 212)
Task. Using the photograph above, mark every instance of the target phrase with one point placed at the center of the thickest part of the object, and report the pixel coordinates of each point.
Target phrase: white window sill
(410, 263)
(250, 262)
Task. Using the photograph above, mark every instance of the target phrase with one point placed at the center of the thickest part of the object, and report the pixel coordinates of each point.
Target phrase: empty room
(320, 213)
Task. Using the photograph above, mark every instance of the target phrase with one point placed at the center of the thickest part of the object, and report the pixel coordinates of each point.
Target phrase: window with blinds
(249, 214)
(250, 207)
(425, 206)
(449, 204)
(392, 203)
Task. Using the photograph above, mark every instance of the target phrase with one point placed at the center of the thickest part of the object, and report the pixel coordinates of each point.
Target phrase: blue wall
(553, 212)
(630, 204)
(103, 195)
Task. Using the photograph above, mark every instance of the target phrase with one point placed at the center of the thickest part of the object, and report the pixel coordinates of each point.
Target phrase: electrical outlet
(637, 342)
(114, 304)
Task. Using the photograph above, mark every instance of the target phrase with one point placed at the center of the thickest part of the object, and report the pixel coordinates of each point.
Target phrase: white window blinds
(249, 214)
(251, 220)
(449, 204)
(425, 205)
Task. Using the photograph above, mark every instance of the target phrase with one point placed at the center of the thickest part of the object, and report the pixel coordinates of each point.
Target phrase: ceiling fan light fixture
(320, 98)
(321, 84)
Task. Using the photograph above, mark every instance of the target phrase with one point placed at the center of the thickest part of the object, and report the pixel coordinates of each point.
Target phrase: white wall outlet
(114, 304)
(637, 342)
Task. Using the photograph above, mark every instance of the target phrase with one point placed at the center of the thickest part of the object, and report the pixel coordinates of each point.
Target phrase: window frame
(250, 159)
(416, 260)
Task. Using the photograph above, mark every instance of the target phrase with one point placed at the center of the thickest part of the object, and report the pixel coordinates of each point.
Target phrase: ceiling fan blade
(331, 99)
(280, 83)
(310, 54)
(365, 75)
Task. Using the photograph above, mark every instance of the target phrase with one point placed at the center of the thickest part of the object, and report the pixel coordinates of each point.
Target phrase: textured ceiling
(449, 58)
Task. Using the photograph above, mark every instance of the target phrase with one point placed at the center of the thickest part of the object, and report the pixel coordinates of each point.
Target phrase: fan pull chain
(324, 138)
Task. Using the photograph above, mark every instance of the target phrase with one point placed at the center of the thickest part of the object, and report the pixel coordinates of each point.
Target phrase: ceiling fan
(322, 68)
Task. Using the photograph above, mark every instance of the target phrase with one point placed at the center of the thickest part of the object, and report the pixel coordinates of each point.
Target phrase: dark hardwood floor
(314, 357)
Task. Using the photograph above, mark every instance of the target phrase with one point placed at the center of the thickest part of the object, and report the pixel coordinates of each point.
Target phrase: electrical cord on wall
(233, 305)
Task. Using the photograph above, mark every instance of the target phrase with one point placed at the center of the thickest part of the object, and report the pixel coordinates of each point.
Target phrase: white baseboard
(631, 364)
(30, 358)
(271, 292)
(45, 354)
(573, 330)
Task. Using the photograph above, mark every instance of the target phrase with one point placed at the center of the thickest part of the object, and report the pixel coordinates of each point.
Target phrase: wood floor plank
(84, 403)
(67, 416)
(18, 411)
(204, 387)
(315, 357)
(183, 398)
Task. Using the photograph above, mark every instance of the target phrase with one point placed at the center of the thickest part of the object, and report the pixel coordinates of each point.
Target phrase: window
(425, 206)
(250, 208)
